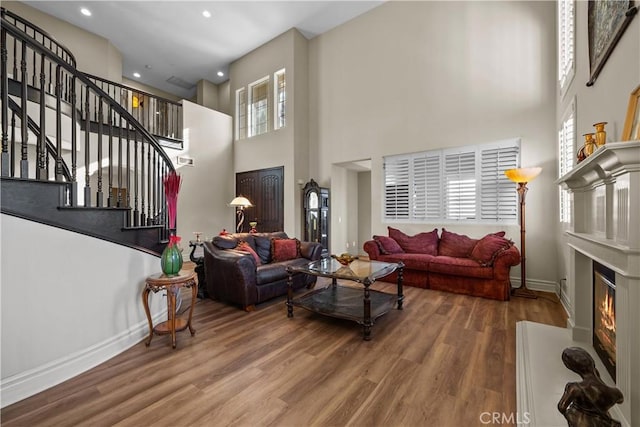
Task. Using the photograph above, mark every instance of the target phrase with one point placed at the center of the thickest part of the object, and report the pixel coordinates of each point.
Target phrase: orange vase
(601, 134)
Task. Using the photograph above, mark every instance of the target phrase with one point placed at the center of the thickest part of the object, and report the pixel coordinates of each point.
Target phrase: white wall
(287, 146)
(414, 76)
(69, 302)
(208, 186)
(94, 54)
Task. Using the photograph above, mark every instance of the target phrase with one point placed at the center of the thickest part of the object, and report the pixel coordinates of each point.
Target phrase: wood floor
(442, 361)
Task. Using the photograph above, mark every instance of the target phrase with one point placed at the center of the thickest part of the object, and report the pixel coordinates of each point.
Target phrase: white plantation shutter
(396, 187)
(498, 200)
(460, 185)
(566, 46)
(566, 148)
(426, 194)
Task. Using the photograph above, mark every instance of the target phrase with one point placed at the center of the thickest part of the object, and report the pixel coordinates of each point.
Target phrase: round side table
(158, 282)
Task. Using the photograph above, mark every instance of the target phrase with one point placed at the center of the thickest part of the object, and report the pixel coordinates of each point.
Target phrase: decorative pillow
(455, 245)
(225, 242)
(488, 248)
(245, 247)
(387, 245)
(263, 248)
(284, 249)
(499, 234)
(421, 243)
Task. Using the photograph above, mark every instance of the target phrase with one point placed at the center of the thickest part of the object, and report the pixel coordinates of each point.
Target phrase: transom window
(460, 184)
(261, 106)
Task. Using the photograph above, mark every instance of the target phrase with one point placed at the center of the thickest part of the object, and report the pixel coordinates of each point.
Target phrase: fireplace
(604, 316)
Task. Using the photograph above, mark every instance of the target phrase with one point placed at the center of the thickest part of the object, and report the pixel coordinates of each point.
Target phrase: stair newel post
(5, 106)
(74, 151)
(58, 170)
(87, 157)
(136, 218)
(99, 196)
(41, 153)
(155, 188)
(119, 198)
(143, 220)
(110, 149)
(13, 143)
(128, 186)
(24, 118)
(149, 187)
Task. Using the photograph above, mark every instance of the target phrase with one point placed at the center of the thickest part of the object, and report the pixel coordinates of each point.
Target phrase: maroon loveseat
(450, 262)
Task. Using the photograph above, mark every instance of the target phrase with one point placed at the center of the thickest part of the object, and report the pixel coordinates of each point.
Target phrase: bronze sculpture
(587, 403)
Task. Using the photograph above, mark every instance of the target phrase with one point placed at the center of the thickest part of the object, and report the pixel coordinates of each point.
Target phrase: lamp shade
(240, 202)
(522, 174)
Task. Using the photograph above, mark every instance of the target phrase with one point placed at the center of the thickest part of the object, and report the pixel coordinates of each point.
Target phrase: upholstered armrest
(504, 261)
(230, 275)
(311, 250)
(372, 248)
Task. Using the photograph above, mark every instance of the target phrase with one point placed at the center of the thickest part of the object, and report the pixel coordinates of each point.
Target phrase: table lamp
(240, 203)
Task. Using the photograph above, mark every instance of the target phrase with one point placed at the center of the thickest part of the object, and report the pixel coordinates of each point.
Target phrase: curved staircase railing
(121, 163)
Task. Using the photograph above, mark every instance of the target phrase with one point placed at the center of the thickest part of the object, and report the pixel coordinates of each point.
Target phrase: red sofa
(450, 262)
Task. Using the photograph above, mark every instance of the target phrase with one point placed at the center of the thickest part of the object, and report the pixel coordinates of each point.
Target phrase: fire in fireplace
(604, 316)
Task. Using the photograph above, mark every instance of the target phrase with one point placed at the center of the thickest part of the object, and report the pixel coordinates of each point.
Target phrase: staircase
(74, 155)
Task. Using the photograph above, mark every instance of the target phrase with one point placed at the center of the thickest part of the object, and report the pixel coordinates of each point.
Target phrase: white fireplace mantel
(605, 228)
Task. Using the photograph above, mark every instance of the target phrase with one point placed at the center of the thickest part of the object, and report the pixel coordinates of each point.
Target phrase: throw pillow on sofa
(387, 245)
(263, 248)
(285, 249)
(245, 247)
(488, 248)
(455, 245)
(421, 243)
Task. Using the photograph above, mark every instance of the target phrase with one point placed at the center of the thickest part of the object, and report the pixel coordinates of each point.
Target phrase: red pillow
(285, 249)
(488, 248)
(455, 245)
(245, 247)
(387, 245)
(421, 243)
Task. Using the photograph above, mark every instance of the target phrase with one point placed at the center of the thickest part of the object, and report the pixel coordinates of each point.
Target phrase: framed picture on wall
(631, 130)
(607, 20)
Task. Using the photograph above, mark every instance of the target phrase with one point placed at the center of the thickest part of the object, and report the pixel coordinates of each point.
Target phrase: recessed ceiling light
(220, 74)
(206, 14)
(137, 75)
(85, 11)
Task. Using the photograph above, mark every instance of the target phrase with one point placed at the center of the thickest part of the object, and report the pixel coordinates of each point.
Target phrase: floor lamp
(240, 203)
(522, 176)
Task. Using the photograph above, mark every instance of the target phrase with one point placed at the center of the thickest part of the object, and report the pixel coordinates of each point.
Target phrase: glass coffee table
(362, 305)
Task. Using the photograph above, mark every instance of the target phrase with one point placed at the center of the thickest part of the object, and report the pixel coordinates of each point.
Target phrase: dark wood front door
(265, 190)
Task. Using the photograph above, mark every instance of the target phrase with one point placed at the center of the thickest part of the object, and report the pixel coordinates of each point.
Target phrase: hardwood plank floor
(442, 361)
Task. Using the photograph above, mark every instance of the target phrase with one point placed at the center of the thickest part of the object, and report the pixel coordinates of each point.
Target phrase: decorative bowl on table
(345, 259)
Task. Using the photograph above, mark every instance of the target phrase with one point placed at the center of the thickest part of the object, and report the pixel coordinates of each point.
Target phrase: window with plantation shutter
(498, 200)
(396, 188)
(566, 46)
(461, 184)
(566, 148)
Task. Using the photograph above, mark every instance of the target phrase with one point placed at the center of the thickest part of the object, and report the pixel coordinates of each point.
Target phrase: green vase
(171, 260)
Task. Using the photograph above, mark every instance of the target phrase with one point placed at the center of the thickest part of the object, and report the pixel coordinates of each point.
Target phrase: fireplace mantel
(605, 227)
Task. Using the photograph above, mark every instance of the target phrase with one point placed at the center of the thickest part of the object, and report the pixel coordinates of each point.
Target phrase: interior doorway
(351, 206)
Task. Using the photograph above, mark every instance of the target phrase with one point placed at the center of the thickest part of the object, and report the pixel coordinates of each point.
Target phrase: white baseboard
(28, 383)
(537, 285)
